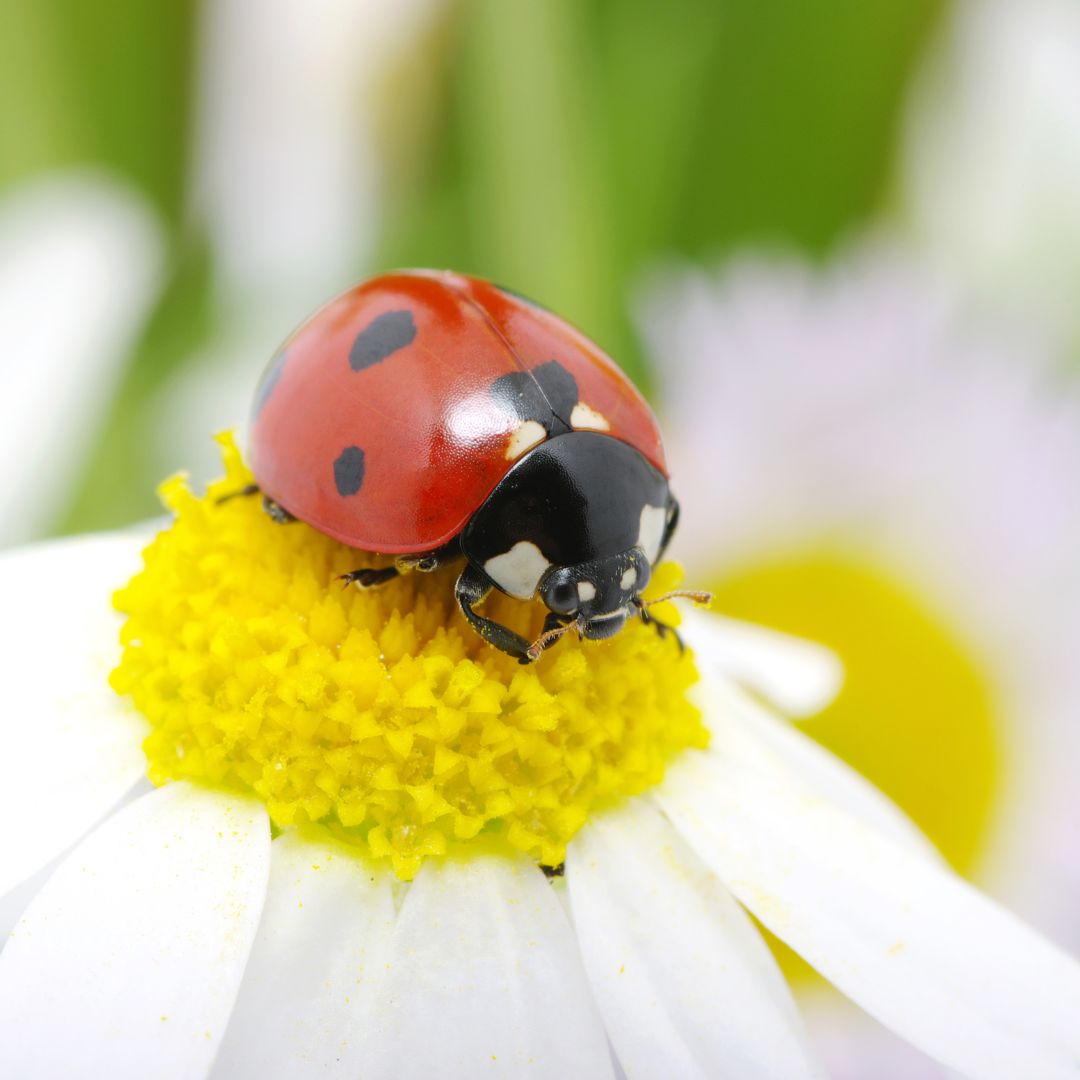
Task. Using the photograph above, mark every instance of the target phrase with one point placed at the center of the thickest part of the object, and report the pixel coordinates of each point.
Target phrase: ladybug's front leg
(661, 628)
(471, 589)
(670, 527)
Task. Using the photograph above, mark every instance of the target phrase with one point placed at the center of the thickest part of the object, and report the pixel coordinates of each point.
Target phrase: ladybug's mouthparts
(581, 626)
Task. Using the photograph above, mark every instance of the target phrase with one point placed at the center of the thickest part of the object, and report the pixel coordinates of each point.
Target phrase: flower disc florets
(380, 714)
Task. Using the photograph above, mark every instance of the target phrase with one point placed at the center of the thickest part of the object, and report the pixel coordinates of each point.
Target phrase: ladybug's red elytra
(435, 416)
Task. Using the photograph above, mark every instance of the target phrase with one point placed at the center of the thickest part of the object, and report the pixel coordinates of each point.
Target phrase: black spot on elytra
(546, 394)
(349, 470)
(269, 380)
(384, 335)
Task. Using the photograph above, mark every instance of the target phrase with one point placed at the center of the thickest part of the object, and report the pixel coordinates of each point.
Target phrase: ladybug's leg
(244, 492)
(669, 528)
(471, 589)
(370, 577)
(277, 512)
(661, 628)
(424, 563)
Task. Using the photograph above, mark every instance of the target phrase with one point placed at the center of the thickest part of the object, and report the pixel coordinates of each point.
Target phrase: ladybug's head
(597, 596)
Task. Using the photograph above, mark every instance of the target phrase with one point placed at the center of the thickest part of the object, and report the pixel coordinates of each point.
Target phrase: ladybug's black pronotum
(435, 416)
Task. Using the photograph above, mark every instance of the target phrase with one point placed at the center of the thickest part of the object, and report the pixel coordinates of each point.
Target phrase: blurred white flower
(80, 265)
(287, 182)
(991, 163)
(178, 939)
(287, 176)
(817, 419)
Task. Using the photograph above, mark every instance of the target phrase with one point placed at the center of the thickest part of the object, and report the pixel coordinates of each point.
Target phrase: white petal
(799, 677)
(907, 940)
(71, 746)
(80, 260)
(740, 725)
(303, 1003)
(685, 983)
(854, 1046)
(128, 961)
(484, 978)
(13, 904)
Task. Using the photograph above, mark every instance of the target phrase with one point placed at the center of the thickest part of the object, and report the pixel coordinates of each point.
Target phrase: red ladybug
(436, 416)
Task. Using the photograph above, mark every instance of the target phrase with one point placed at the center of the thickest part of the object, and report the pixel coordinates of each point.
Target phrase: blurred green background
(557, 145)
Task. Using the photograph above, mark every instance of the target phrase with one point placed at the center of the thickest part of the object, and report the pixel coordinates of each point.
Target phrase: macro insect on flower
(341, 872)
(430, 415)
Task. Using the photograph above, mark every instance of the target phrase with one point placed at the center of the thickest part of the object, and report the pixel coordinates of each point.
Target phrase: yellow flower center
(915, 715)
(381, 715)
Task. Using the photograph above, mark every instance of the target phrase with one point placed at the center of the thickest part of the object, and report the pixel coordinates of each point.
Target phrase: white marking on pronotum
(524, 437)
(629, 578)
(519, 570)
(651, 532)
(586, 591)
(584, 417)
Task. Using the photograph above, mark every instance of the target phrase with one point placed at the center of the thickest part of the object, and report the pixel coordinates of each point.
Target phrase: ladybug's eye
(563, 597)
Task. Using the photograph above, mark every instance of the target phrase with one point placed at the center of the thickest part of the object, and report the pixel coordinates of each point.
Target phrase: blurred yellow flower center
(915, 715)
(380, 714)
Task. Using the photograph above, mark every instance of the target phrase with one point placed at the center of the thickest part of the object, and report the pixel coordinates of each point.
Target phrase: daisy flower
(868, 466)
(339, 870)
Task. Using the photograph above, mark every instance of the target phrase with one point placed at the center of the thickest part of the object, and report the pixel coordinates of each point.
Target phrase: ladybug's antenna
(546, 638)
(701, 599)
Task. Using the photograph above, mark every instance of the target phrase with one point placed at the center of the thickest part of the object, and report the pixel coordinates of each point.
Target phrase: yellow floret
(381, 714)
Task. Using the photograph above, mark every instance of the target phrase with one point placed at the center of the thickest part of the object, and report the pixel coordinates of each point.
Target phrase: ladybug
(435, 417)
